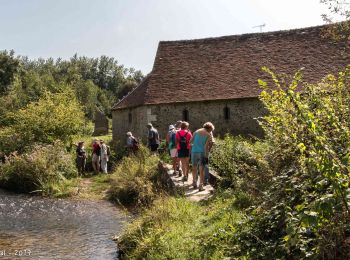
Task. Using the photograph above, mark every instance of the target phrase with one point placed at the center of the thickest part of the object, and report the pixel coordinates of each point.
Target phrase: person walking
(81, 158)
(96, 153)
(178, 163)
(171, 145)
(201, 141)
(183, 138)
(132, 145)
(104, 156)
(153, 138)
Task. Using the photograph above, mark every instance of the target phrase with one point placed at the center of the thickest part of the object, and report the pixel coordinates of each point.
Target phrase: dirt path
(93, 188)
(187, 188)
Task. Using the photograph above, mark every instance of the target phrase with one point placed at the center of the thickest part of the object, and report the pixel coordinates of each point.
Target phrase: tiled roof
(229, 67)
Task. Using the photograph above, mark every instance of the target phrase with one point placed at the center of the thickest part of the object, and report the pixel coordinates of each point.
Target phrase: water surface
(32, 227)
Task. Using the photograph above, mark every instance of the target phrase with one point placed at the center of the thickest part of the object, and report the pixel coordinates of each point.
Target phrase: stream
(32, 227)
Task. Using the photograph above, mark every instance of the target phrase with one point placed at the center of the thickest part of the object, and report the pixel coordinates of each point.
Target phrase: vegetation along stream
(43, 228)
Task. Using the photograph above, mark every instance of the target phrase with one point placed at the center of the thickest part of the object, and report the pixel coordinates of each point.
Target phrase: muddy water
(41, 228)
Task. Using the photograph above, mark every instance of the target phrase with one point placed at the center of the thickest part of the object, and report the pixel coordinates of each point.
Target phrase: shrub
(135, 179)
(54, 117)
(42, 169)
(242, 164)
(307, 202)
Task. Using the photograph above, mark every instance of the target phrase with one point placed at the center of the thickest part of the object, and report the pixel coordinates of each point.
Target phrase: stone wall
(101, 123)
(133, 120)
(229, 116)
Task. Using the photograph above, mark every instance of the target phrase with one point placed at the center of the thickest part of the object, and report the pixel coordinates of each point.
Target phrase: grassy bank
(178, 228)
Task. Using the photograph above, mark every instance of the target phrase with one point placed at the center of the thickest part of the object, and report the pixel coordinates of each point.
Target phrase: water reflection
(57, 229)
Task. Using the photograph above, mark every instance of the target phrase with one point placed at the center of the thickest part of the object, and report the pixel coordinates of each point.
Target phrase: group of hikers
(99, 158)
(182, 146)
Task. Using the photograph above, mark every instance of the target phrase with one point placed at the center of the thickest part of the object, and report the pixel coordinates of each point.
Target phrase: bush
(54, 117)
(242, 164)
(42, 169)
(306, 209)
(134, 181)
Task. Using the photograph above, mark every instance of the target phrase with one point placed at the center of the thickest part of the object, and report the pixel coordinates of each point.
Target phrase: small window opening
(226, 113)
(185, 116)
(130, 118)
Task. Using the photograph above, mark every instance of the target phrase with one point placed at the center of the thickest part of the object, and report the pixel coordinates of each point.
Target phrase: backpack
(183, 142)
(108, 150)
(135, 144)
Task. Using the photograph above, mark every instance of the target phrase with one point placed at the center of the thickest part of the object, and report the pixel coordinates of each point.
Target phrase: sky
(130, 30)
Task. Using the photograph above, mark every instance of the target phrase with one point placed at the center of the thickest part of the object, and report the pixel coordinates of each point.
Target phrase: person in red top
(183, 137)
(96, 153)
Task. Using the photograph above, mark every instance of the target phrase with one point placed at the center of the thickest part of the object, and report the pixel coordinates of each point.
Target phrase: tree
(339, 31)
(9, 66)
(53, 117)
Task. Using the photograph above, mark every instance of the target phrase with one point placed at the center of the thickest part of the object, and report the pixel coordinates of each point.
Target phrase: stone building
(101, 123)
(215, 79)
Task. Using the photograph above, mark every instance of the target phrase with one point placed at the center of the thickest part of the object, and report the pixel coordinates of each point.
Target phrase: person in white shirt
(104, 156)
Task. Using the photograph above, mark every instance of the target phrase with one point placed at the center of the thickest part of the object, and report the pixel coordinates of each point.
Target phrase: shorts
(183, 153)
(173, 153)
(198, 159)
(95, 158)
(154, 147)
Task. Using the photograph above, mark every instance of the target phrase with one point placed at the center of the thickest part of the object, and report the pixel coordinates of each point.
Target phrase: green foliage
(308, 197)
(96, 81)
(135, 179)
(241, 163)
(53, 117)
(42, 169)
(9, 66)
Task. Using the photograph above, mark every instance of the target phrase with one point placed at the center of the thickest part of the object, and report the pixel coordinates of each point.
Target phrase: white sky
(130, 30)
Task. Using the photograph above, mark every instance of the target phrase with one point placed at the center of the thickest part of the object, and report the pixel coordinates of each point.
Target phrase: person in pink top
(183, 137)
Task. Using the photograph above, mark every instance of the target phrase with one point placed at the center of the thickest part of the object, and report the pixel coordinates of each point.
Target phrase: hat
(149, 125)
(129, 134)
(171, 127)
(101, 141)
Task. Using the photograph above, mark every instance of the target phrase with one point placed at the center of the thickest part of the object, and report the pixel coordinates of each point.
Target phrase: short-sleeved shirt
(96, 149)
(130, 141)
(183, 133)
(153, 136)
(80, 151)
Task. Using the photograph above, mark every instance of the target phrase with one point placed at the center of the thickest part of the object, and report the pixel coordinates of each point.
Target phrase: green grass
(181, 229)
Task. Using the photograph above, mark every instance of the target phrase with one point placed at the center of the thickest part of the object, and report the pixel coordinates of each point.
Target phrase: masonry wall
(238, 119)
(125, 120)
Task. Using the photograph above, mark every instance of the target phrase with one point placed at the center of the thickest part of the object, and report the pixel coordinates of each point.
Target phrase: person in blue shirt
(202, 141)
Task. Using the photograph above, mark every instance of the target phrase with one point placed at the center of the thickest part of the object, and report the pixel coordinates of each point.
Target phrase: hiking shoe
(205, 183)
(194, 185)
(200, 188)
(184, 178)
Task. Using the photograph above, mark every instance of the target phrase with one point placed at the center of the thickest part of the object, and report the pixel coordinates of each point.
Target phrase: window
(226, 113)
(185, 116)
(130, 118)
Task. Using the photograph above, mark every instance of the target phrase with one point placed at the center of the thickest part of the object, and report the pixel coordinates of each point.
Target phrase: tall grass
(135, 180)
(176, 228)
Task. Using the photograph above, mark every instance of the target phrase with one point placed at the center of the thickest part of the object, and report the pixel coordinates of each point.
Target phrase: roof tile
(228, 67)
